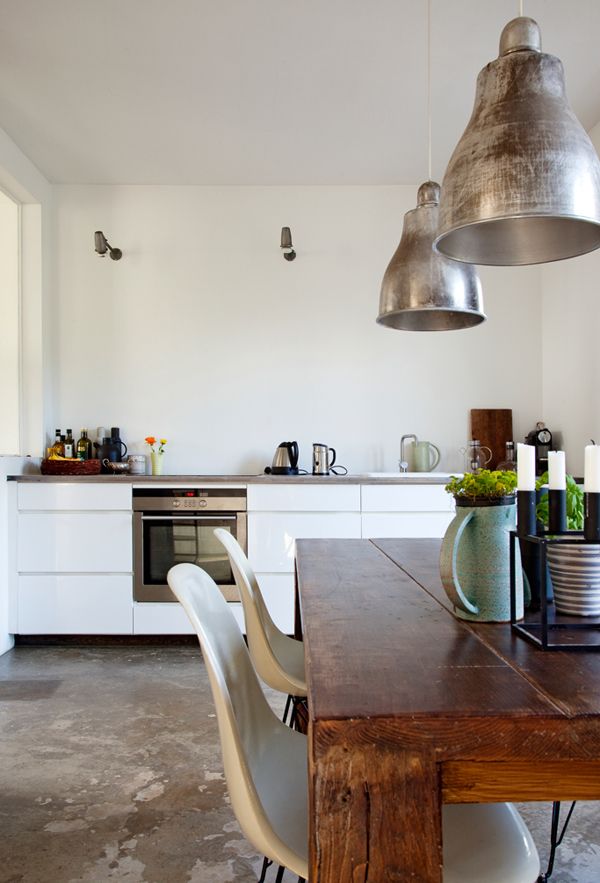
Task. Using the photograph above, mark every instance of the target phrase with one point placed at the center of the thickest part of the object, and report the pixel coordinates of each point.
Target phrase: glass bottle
(84, 446)
(509, 464)
(56, 446)
(69, 444)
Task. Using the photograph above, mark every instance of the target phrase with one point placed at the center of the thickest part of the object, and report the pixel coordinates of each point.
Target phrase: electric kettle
(321, 462)
(285, 461)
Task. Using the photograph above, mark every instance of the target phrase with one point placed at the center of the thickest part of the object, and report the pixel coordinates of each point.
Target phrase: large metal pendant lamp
(523, 183)
(421, 289)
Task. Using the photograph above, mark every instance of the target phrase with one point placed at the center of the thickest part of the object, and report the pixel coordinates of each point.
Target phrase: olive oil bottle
(84, 446)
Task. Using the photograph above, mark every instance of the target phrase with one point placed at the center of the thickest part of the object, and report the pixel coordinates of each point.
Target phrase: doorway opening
(10, 326)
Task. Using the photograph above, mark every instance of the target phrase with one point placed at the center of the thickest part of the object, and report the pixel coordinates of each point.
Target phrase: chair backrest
(260, 628)
(247, 726)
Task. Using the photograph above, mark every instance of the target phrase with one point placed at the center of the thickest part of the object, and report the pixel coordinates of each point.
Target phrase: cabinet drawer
(68, 542)
(84, 605)
(90, 496)
(405, 524)
(169, 619)
(271, 536)
(406, 498)
(304, 498)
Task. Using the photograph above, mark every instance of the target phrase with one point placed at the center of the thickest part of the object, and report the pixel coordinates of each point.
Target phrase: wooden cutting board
(493, 427)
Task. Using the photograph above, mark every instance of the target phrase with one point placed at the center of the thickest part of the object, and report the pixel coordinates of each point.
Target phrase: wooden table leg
(375, 816)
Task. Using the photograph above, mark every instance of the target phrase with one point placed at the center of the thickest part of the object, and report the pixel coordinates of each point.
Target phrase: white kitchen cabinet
(304, 498)
(170, 619)
(64, 604)
(406, 498)
(72, 559)
(272, 535)
(86, 497)
(411, 510)
(90, 542)
(405, 524)
(278, 515)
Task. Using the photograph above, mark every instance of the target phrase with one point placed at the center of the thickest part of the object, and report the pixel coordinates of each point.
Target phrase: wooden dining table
(410, 708)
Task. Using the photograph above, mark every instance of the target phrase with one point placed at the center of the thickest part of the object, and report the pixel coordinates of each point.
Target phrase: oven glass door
(172, 539)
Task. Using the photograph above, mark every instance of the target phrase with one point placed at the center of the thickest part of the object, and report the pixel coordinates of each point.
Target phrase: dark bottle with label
(69, 444)
(84, 446)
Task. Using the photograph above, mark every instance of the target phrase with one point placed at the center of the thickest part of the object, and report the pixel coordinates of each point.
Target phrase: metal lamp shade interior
(423, 290)
(523, 183)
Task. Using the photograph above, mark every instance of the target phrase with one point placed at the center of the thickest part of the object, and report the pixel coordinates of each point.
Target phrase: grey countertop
(359, 478)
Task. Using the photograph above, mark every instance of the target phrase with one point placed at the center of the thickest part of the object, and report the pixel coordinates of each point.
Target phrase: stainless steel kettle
(285, 461)
(321, 462)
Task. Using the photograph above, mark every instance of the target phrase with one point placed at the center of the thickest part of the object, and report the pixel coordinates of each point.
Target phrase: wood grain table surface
(410, 707)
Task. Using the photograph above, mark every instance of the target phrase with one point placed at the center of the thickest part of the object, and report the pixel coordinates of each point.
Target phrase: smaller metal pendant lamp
(523, 183)
(421, 289)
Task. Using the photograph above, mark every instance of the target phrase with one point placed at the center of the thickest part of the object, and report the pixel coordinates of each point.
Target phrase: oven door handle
(188, 517)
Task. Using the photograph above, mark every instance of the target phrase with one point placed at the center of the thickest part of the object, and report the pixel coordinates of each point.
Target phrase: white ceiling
(260, 91)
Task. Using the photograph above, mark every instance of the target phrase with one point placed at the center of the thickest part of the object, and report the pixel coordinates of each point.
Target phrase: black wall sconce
(102, 246)
(286, 244)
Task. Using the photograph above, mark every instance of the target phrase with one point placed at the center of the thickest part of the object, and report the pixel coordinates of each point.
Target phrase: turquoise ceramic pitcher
(475, 560)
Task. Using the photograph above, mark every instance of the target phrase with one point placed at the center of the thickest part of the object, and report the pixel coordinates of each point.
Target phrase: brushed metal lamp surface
(421, 289)
(523, 183)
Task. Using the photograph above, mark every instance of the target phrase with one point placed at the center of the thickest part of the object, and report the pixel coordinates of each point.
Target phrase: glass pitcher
(477, 456)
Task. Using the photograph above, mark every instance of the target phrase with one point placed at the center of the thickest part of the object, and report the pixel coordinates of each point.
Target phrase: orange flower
(150, 440)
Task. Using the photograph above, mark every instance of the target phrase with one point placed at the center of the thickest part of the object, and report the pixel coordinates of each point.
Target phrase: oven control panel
(189, 499)
(185, 503)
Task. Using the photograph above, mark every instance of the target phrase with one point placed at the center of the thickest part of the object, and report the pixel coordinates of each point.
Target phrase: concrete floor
(110, 770)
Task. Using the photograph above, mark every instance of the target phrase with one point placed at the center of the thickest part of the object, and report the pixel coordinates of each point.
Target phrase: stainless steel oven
(171, 526)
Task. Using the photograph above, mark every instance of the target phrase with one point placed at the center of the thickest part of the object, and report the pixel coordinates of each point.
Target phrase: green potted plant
(483, 488)
(474, 560)
(574, 503)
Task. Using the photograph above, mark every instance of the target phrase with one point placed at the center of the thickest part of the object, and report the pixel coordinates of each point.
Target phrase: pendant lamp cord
(521, 8)
(429, 88)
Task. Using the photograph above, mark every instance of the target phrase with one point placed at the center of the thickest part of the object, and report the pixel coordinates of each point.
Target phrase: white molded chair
(278, 659)
(266, 768)
(265, 761)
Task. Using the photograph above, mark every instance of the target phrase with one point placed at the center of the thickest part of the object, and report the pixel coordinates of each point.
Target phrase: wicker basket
(70, 467)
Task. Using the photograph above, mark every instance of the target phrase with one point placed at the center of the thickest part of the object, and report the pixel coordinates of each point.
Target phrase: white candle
(525, 467)
(591, 473)
(557, 473)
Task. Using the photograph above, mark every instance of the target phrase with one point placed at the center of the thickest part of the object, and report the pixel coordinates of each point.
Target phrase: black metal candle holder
(530, 555)
(526, 518)
(557, 511)
(591, 522)
(546, 627)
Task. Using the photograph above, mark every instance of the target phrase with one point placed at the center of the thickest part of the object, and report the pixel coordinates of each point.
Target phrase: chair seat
(487, 843)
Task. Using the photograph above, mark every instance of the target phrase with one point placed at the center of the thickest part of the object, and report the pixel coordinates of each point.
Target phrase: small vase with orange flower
(157, 452)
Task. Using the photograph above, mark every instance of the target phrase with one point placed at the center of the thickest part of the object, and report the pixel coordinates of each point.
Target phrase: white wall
(203, 333)
(571, 349)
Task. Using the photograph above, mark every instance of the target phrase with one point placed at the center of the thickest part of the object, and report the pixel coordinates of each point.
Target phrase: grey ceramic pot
(575, 573)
